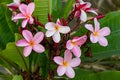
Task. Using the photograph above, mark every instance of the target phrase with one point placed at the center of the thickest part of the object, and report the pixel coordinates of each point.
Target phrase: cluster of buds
(56, 31)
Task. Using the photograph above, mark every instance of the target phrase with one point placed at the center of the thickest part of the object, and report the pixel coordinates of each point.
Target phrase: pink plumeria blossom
(54, 30)
(26, 14)
(66, 65)
(82, 8)
(30, 42)
(14, 5)
(75, 44)
(98, 35)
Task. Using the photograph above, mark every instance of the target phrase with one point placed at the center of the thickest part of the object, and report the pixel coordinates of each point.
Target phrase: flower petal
(61, 70)
(77, 14)
(22, 43)
(17, 1)
(89, 27)
(103, 41)
(23, 8)
(38, 48)
(76, 51)
(64, 29)
(30, 8)
(50, 33)
(67, 56)
(97, 24)
(80, 40)
(69, 45)
(50, 26)
(58, 22)
(27, 51)
(83, 16)
(58, 60)
(104, 31)
(18, 16)
(31, 20)
(92, 11)
(38, 37)
(75, 62)
(70, 72)
(27, 35)
(56, 37)
(24, 23)
(93, 38)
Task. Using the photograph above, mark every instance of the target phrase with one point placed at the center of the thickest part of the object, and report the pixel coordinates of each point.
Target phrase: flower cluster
(57, 31)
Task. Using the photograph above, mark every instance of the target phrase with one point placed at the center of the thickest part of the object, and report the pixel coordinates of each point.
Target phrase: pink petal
(103, 41)
(89, 27)
(77, 14)
(56, 37)
(64, 29)
(76, 51)
(23, 8)
(38, 48)
(61, 70)
(69, 45)
(18, 16)
(75, 62)
(30, 8)
(27, 51)
(24, 23)
(31, 20)
(104, 31)
(97, 24)
(80, 40)
(58, 60)
(83, 16)
(93, 38)
(50, 26)
(58, 22)
(38, 37)
(67, 56)
(50, 33)
(70, 72)
(22, 43)
(27, 35)
(88, 4)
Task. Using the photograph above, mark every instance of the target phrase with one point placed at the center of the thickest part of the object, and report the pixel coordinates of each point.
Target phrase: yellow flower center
(95, 34)
(73, 42)
(31, 43)
(65, 63)
(56, 28)
(27, 16)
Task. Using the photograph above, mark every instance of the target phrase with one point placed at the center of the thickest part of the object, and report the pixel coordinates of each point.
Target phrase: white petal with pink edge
(83, 16)
(69, 45)
(70, 72)
(61, 70)
(58, 60)
(76, 51)
(24, 23)
(50, 26)
(50, 33)
(104, 31)
(64, 29)
(93, 38)
(103, 41)
(67, 56)
(56, 37)
(89, 27)
(75, 62)
(97, 24)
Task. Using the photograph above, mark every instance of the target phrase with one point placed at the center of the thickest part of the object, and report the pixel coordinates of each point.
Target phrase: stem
(22, 59)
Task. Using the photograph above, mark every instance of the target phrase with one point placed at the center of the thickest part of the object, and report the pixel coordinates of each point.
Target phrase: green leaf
(90, 75)
(15, 54)
(7, 27)
(42, 8)
(68, 8)
(17, 77)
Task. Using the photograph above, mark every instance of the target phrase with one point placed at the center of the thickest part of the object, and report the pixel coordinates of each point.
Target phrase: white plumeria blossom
(54, 30)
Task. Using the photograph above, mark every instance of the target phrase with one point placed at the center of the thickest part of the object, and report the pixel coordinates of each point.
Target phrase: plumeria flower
(82, 8)
(54, 30)
(66, 65)
(30, 42)
(75, 44)
(98, 34)
(14, 5)
(26, 14)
